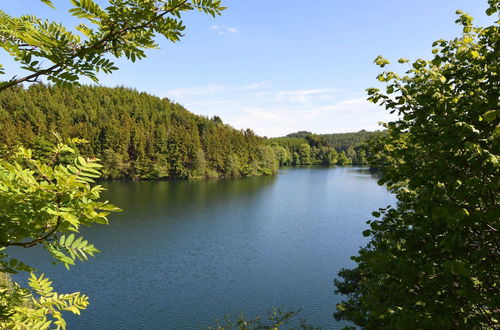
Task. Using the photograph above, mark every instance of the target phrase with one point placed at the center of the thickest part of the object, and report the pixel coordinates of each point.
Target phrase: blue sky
(283, 65)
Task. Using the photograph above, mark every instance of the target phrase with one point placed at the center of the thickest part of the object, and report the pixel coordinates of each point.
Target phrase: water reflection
(365, 172)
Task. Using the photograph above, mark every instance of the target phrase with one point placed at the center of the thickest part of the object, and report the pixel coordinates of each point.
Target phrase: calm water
(184, 254)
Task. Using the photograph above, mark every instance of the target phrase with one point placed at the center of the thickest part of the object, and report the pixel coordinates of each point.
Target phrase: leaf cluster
(41, 309)
(44, 202)
(124, 28)
(41, 200)
(432, 261)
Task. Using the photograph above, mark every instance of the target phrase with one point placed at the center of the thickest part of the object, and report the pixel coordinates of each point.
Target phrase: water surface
(185, 253)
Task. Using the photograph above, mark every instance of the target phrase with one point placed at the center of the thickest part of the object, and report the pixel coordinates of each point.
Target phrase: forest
(135, 135)
(306, 148)
(140, 136)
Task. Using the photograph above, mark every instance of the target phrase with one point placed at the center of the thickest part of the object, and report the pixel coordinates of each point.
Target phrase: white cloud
(355, 101)
(303, 95)
(255, 85)
(221, 29)
(212, 89)
(277, 112)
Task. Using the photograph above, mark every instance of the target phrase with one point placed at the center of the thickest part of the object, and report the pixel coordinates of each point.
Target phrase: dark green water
(186, 253)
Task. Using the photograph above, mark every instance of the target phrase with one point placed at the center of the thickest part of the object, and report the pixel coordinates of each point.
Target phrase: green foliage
(324, 149)
(68, 249)
(304, 154)
(42, 309)
(124, 28)
(136, 135)
(343, 160)
(432, 262)
(282, 155)
(44, 202)
(275, 320)
(339, 141)
(267, 163)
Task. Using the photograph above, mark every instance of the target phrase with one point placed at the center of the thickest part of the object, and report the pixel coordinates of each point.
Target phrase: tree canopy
(432, 261)
(135, 135)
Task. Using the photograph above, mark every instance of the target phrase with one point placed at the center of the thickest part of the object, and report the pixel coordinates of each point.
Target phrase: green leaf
(48, 2)
(491, 115)
(380, 61)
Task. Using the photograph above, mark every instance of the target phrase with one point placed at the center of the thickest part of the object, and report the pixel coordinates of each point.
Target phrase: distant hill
(306, 148)
(339, 141)
(299, 134)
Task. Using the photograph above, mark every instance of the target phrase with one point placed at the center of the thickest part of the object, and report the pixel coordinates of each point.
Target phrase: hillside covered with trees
(140, 136)
(306, 148)
(135, 135)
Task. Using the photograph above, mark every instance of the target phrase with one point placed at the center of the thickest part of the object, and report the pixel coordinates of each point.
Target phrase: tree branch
(36, 240)
(58, 67)
(39, 239)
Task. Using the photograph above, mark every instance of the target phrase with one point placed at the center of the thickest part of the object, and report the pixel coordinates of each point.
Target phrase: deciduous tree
(432, 261)
(124, 28)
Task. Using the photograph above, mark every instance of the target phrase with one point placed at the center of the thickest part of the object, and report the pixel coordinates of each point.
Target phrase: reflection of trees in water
(366, 172)
(136, 197)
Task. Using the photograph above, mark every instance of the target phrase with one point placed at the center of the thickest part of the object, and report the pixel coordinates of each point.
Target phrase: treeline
(135, 135)
(306, 148)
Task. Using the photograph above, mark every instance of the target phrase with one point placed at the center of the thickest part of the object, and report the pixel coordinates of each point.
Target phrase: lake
(185, 253)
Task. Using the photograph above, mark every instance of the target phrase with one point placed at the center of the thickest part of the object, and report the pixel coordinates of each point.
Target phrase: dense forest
(141, 136)
(135, 135)
(306, 148)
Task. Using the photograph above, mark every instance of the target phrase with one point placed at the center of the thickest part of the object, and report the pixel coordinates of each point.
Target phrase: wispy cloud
(221, 29)
(271, 111)
(302, 95)
(255, 85)
(354, 101)
(212, 89)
